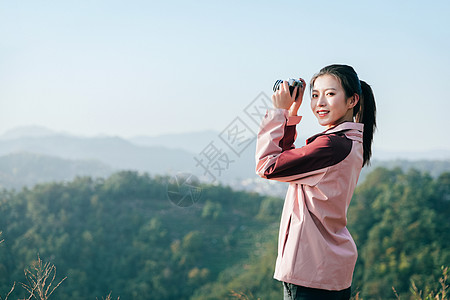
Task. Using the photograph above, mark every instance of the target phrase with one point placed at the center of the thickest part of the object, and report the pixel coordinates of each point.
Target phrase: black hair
(365, 110)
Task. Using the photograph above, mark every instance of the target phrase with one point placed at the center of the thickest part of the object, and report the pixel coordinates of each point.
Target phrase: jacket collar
(345, 126)
(352, 130)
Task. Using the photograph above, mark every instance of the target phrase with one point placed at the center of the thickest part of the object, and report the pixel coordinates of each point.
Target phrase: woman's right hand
(283, 99)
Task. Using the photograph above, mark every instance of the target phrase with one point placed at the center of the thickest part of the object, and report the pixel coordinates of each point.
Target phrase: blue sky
(132, 68)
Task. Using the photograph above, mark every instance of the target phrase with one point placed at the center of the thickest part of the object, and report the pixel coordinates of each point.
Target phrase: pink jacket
(315, 248)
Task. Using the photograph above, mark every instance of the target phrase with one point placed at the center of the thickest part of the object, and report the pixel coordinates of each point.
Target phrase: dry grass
(108, 297)
(441, 294)
(243, 296)
(7, 295)
(41, 277)
(14, 285)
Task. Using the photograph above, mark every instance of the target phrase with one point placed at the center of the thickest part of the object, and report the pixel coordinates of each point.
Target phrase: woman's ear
(353, 101)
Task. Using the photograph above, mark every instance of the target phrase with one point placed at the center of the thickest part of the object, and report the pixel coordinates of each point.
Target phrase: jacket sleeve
(278, 159)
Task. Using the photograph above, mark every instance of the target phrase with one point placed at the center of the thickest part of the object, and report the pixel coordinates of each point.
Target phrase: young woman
(316, 253)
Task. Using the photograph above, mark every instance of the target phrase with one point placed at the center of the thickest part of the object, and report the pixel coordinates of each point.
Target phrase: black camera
(292, 84)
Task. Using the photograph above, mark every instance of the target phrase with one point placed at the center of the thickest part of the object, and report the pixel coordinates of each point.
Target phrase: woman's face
(329, 102)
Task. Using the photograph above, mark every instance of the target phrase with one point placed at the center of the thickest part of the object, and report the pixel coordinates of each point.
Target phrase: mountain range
(30, 155)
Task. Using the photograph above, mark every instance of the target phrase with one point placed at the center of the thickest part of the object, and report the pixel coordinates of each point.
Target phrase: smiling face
(329, 103)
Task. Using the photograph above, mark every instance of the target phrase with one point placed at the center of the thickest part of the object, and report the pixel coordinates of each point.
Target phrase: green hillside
(122, 234)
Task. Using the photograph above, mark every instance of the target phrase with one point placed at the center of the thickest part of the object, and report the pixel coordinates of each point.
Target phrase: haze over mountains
(168, 154)
(115, 152)
(33, 154)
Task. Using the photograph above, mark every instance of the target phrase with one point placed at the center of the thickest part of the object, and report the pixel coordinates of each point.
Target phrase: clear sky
(131, 68)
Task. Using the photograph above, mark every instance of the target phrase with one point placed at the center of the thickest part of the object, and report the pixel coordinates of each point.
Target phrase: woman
(316, 253)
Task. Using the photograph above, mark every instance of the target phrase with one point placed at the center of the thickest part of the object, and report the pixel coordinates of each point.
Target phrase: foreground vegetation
(123, 235)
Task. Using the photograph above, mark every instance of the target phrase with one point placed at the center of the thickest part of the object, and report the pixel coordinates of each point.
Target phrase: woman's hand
(283, 99)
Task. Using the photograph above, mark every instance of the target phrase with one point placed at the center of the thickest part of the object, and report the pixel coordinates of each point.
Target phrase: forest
(122, 236)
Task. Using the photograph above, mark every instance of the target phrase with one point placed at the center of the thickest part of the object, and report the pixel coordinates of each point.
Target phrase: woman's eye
(330, 94)
(313, 96)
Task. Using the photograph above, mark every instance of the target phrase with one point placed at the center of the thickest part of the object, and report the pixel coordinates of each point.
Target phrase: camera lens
(276, 85)
(291, 82)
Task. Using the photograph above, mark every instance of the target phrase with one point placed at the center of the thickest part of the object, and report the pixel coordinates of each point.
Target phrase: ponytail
(365, 110)
(366, 114)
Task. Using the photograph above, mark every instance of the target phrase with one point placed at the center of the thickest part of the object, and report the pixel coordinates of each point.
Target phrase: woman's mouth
(322, 113)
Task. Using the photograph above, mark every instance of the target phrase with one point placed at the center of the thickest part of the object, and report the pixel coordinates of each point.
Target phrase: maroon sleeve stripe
(324, 151)
(287, 142)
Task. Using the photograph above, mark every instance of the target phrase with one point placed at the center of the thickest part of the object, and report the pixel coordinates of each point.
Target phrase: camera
(291, 82)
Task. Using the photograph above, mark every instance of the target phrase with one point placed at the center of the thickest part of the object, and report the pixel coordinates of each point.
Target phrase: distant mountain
(165, 154)
(112, 151)
(27, 169)
(28, 131)
(191, 141)
(174, 153)
(436, 154)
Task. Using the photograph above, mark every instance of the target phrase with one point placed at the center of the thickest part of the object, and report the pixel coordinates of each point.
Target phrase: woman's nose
(321, 101)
